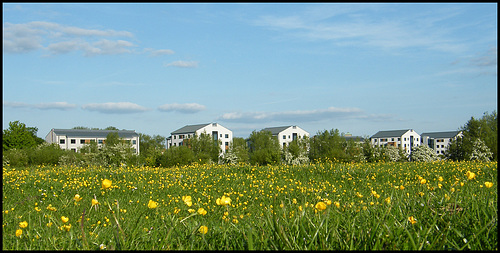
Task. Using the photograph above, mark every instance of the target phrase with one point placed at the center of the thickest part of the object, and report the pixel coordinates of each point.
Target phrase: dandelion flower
(106, 183)
(152, 204)
(77, 198)
(412, 220)
(187, 200)
(23, 224)
(202, 211)
(203, 229)
(471, 175)
(64, 219)
(488, 184)
(19, 232)
(320, 206)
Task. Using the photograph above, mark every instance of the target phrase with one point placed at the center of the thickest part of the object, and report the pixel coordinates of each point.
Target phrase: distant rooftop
(189, 129)
(94, 133)
(275, 130)
(391, 133)
(448, 134)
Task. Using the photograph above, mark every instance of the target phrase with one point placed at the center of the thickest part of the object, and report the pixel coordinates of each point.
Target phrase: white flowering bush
(423, 153)
(395, 154)
(480, 152)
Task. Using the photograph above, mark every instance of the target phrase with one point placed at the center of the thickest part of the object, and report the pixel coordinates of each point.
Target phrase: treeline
(21, 147)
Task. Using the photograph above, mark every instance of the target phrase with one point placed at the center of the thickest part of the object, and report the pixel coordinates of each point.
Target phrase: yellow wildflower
(388, 200)
(203, 229)
(23, 224)
(412, 220)
(202, 211)
(152, 204)
(187, 200)
(64, 219)
(471, 175)
(106, 183)
(95, 202)
(77, 198)
(488, 184)
(320, 206)
(19, 232)
(423, 181)
(223, 201)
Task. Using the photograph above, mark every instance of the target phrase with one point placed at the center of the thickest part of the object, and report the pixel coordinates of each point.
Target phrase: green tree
(237, 152)
(205, 148)
(264, 148)
(113, 139)
(151, 148)
(19, 136)
(177, 156)
(297, 152)
(328, 145)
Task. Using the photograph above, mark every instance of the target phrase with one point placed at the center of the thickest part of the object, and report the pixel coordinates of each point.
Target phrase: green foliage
(480, 152)
(46, 154)
(484, 129)
(112, 139)
(19, 136)
(205, 149)
(395, 154)
(264, 148)
(177, 156)
(423, 153)
(151, 148)
(296, 152)
(237, 152)
(331, 145)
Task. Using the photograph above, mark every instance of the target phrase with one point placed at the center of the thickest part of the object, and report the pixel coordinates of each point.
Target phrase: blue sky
(154, 68)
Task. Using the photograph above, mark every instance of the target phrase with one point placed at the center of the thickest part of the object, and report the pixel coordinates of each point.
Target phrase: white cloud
(158, 52)
(182, 108)
(183, 64)
(111, 108)
(60, 39)
(42, 106)
(292, 116)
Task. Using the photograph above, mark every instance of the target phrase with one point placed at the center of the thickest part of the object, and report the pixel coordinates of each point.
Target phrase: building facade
(439, 141)
(75, 139)
(217, 131)
(405, 139)
(287, 134)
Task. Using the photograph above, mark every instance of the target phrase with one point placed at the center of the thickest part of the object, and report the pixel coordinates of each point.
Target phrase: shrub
(423, 154)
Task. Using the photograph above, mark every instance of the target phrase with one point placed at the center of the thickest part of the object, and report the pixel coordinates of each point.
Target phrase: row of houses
(406, 139)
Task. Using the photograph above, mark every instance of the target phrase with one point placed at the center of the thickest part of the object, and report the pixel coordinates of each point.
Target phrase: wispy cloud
(293, 116)
(182, 108)
(61, 39)
(349, 25)
(41, 106)
(158, 52)
(183, 64)
(115, 108)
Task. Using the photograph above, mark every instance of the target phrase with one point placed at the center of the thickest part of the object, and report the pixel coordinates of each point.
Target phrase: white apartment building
(217, 131)
(439, 141)
(287, 134)
(75, 139)
(405, 139)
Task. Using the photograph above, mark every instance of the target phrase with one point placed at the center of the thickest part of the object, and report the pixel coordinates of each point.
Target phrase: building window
(134, 142)
(227, 136)
(73, 149)
(99, 141)
(73, 141)
(82, 141)
(284, 137)
(61, 141)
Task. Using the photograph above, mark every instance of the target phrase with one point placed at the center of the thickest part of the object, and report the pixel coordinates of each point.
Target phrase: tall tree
(204, 147)
(19, 136)
(264, 148)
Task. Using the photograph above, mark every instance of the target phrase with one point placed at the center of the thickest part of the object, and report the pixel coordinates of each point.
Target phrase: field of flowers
(324, 206)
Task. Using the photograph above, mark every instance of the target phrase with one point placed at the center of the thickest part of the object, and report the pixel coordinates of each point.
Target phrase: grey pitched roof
(448, 134)
(391, 133)
(275, 130)
(189, 129)
(94, 133)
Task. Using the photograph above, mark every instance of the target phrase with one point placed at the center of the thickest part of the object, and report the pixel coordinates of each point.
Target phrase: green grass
(272, 207)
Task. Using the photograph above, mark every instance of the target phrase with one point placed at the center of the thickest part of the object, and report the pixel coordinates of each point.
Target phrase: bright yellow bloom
(388, 200)
(471, 175)
(152, 204)
(187, 200)
(106, 183)
(77, 198)
(300, 208)
(190, 210)
(412, 220)
(202, 211)
(440, 179)
(401, 187)
(95, 202)
(64, 219)
(223, 201)
(19, 232)
(488, 184)
(423, 181)
(23, 224)
(337, 204)
(38, 209)
(67, 227)
(203, 229)
(320, 206)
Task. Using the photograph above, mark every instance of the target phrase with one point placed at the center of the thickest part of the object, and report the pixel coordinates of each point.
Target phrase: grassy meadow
(323, 206)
